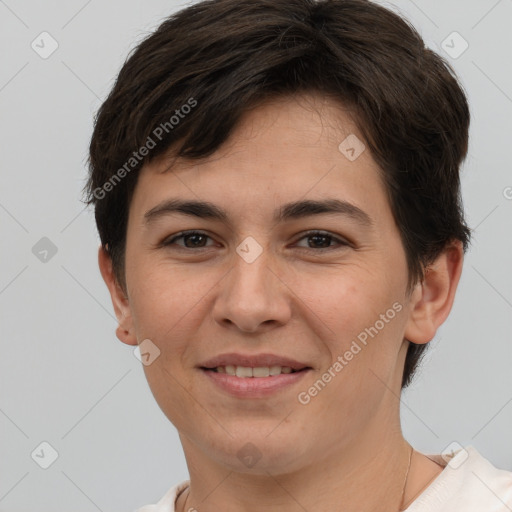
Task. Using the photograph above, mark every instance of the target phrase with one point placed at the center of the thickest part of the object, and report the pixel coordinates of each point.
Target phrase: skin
(345, 446)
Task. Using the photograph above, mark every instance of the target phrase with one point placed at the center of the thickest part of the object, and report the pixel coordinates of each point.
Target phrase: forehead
(286, 149)
(281, 123)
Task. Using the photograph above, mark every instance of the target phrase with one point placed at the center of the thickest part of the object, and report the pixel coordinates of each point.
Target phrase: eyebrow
(289, 211)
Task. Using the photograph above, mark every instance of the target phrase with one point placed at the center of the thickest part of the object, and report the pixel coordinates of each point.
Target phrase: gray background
(67, 380)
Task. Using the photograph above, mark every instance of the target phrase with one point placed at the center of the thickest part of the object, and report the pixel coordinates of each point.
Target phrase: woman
(276, 187)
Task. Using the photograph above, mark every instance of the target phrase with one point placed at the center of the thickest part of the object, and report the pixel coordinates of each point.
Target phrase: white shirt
(468, 483)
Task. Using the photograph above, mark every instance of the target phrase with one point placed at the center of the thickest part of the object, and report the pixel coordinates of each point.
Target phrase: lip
(254, 387)
(252, 361)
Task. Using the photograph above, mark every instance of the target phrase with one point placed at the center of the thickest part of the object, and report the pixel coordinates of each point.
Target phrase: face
(324, 287)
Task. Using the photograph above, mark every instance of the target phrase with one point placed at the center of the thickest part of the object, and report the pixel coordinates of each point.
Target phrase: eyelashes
(200, 235)
(326, 235)
(184, 235)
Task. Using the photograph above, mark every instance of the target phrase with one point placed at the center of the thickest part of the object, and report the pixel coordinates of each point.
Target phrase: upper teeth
(262, 371)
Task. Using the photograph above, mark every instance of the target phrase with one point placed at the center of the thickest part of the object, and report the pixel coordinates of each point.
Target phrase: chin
(260, 453)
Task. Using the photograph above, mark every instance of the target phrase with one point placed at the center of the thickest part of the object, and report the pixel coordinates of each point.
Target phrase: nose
(253, 297)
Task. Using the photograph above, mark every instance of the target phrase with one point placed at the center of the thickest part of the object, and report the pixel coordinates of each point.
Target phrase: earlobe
(432, 299)
(125, 330)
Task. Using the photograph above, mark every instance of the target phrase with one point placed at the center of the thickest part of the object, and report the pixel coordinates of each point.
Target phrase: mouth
(255, 365)
(246, 376)
(245, 372)
(246, 385)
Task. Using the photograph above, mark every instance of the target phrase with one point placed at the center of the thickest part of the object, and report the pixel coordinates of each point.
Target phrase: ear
(125, 330)
(432, 299)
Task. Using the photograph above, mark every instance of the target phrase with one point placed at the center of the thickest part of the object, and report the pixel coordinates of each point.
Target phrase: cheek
(164, 301)
(365, 312)
(167, 307)
(351, 299)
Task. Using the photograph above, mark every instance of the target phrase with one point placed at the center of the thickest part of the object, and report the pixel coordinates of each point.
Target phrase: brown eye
(321, 240)
(191, 239)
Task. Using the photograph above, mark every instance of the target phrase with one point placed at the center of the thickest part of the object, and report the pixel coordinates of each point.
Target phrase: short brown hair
(223, 57)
